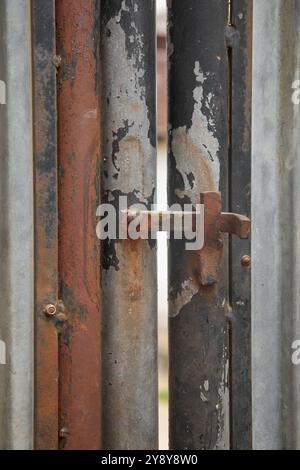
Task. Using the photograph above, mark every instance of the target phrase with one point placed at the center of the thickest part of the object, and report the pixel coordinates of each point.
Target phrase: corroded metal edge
(78, 28)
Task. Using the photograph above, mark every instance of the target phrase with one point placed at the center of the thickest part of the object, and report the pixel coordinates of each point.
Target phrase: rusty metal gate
(79, 130)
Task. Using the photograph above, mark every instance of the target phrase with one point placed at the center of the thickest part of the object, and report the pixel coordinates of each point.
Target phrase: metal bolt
(64, 432)
(50, 309)
(246, 261)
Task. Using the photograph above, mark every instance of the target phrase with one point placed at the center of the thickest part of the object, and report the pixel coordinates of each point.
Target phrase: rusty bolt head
(246, 261)
(64, 432)
(50, 309)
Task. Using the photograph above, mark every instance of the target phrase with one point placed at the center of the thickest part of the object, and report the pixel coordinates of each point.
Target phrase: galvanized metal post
(129, 325)
(16, 228)
(78, 31)
(275, 240)
(198, 161)
(46, 223)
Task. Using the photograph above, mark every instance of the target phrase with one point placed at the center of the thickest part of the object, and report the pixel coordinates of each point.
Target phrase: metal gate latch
(215, 223)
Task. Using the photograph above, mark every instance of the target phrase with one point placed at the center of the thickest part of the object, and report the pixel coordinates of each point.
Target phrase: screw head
(246, 261)
(64, 432)
(50, 309)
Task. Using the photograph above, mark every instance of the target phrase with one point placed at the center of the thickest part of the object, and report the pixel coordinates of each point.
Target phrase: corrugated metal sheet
(16, 228)
(276, 228)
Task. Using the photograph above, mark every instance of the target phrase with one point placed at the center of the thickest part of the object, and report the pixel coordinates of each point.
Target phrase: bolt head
(64, 432)
(50, 309)
(246, 261)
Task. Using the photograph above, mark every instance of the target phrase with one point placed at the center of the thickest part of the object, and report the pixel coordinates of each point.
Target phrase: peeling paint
(189, 289)
(222, 407)
(129, 319)
(199, 145)
(130, 135)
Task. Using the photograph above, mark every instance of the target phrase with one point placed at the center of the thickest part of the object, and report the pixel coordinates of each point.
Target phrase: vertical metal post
(16, 228)
(129, 326)
(198, 156)
(78, 30)
(239, 44)
(275, 212)
(46, 223)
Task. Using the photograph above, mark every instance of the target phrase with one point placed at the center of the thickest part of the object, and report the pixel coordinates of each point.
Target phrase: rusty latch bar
(215, 223)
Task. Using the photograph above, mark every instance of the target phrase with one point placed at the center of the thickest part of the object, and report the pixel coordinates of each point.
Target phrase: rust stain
(79, 254)
(46, 250)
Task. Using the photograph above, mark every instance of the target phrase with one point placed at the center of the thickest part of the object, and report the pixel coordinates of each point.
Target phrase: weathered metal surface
(275, 240)
(46, 223)
(78, 29)
(239, 43)
(198, 151)
(129, 326)
(16, 228)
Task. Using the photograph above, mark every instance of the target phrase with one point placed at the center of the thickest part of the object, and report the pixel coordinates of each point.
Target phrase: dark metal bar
(79, 254)
(46, 222)
(239, 40)
(129, 353)
(198, 152)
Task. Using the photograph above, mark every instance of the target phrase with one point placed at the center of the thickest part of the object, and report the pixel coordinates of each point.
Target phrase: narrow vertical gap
(229, 16)
(162, 248)
(229, 199)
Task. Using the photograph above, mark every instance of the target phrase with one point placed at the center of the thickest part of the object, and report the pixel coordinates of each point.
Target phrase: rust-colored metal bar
(77, 26)
(46, 221)
(235, 224)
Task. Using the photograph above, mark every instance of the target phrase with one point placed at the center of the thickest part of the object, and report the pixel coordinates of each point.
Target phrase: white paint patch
(2, 353)
(199, 145)
(241, 16)
(199, 130)
(189, 289)
(223, 407)
(2, 92)
(124, 86)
